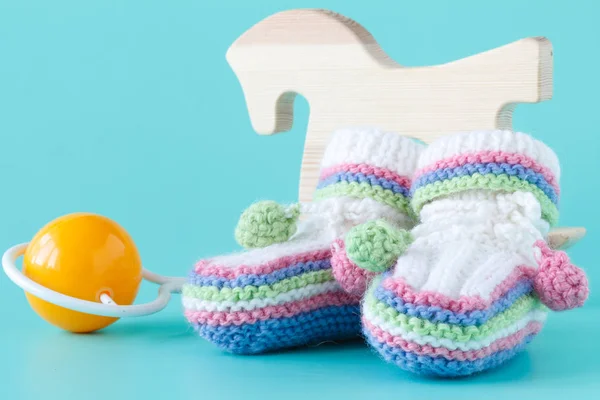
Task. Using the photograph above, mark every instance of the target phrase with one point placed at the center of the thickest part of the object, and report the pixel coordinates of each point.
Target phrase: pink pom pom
(351, 278)
(559, 284)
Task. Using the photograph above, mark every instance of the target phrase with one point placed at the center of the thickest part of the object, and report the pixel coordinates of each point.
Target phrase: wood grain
(348, 80)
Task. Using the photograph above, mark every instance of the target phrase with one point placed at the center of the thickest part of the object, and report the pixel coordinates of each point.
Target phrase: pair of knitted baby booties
(436, 254)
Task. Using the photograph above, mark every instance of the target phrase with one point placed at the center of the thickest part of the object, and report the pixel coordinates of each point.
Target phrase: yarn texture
(376, 245)
(475, 284)
(352, 278)
(265, 223)
(295, 285)
(560, 284)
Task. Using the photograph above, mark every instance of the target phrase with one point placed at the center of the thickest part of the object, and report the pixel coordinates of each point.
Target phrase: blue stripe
(327, 323)
(526, 174)
(258, 280)
(360, 178)
(437, 314)
(440, 366)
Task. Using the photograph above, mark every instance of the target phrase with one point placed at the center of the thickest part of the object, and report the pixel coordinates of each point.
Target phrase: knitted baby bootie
(475, 282)
(376, 168)
(283, 292)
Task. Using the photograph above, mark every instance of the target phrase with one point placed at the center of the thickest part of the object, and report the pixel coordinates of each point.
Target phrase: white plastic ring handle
(107, 308)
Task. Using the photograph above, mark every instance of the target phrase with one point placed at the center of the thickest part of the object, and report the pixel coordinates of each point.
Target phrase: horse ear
(284, 54)
(305, 27)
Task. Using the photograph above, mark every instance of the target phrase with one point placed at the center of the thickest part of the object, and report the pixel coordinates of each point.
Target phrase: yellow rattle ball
(82, 255)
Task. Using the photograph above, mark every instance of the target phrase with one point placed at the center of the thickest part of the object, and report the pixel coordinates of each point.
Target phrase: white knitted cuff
(366, 163)
(466, 143)
(488, 160)
(373, 147)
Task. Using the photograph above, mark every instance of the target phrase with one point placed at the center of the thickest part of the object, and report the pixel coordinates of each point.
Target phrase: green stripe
(502, 182)
(457, 333)
(364, 190)
(213, 293)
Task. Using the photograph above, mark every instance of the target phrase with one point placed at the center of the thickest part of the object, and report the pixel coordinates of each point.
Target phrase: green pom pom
(265, 223)
(376, 245)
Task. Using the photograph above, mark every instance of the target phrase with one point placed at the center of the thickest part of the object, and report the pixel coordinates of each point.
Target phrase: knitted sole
(417, 333)
(277, 300)
(326, 323)
(440, 366)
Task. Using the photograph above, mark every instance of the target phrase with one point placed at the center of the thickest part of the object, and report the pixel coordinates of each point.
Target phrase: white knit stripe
(339, 214)
(326, 220)
(492, 272)
(352, 209)
(446, 211)
(535, 315)
(195, 304)
(468, 142)
(448, 275)
(302, 243)
(372, 146)
(468, 244)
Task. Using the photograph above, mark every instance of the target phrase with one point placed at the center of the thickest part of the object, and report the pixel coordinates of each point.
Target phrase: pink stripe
(206, 268)
(351, 278)
(560, 284)
(493, 156)
(222, 318)
(463, 304)
(505, 343)
(367, 170)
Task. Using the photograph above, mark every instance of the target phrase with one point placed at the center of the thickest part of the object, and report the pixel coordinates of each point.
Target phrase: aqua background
(129, 109)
